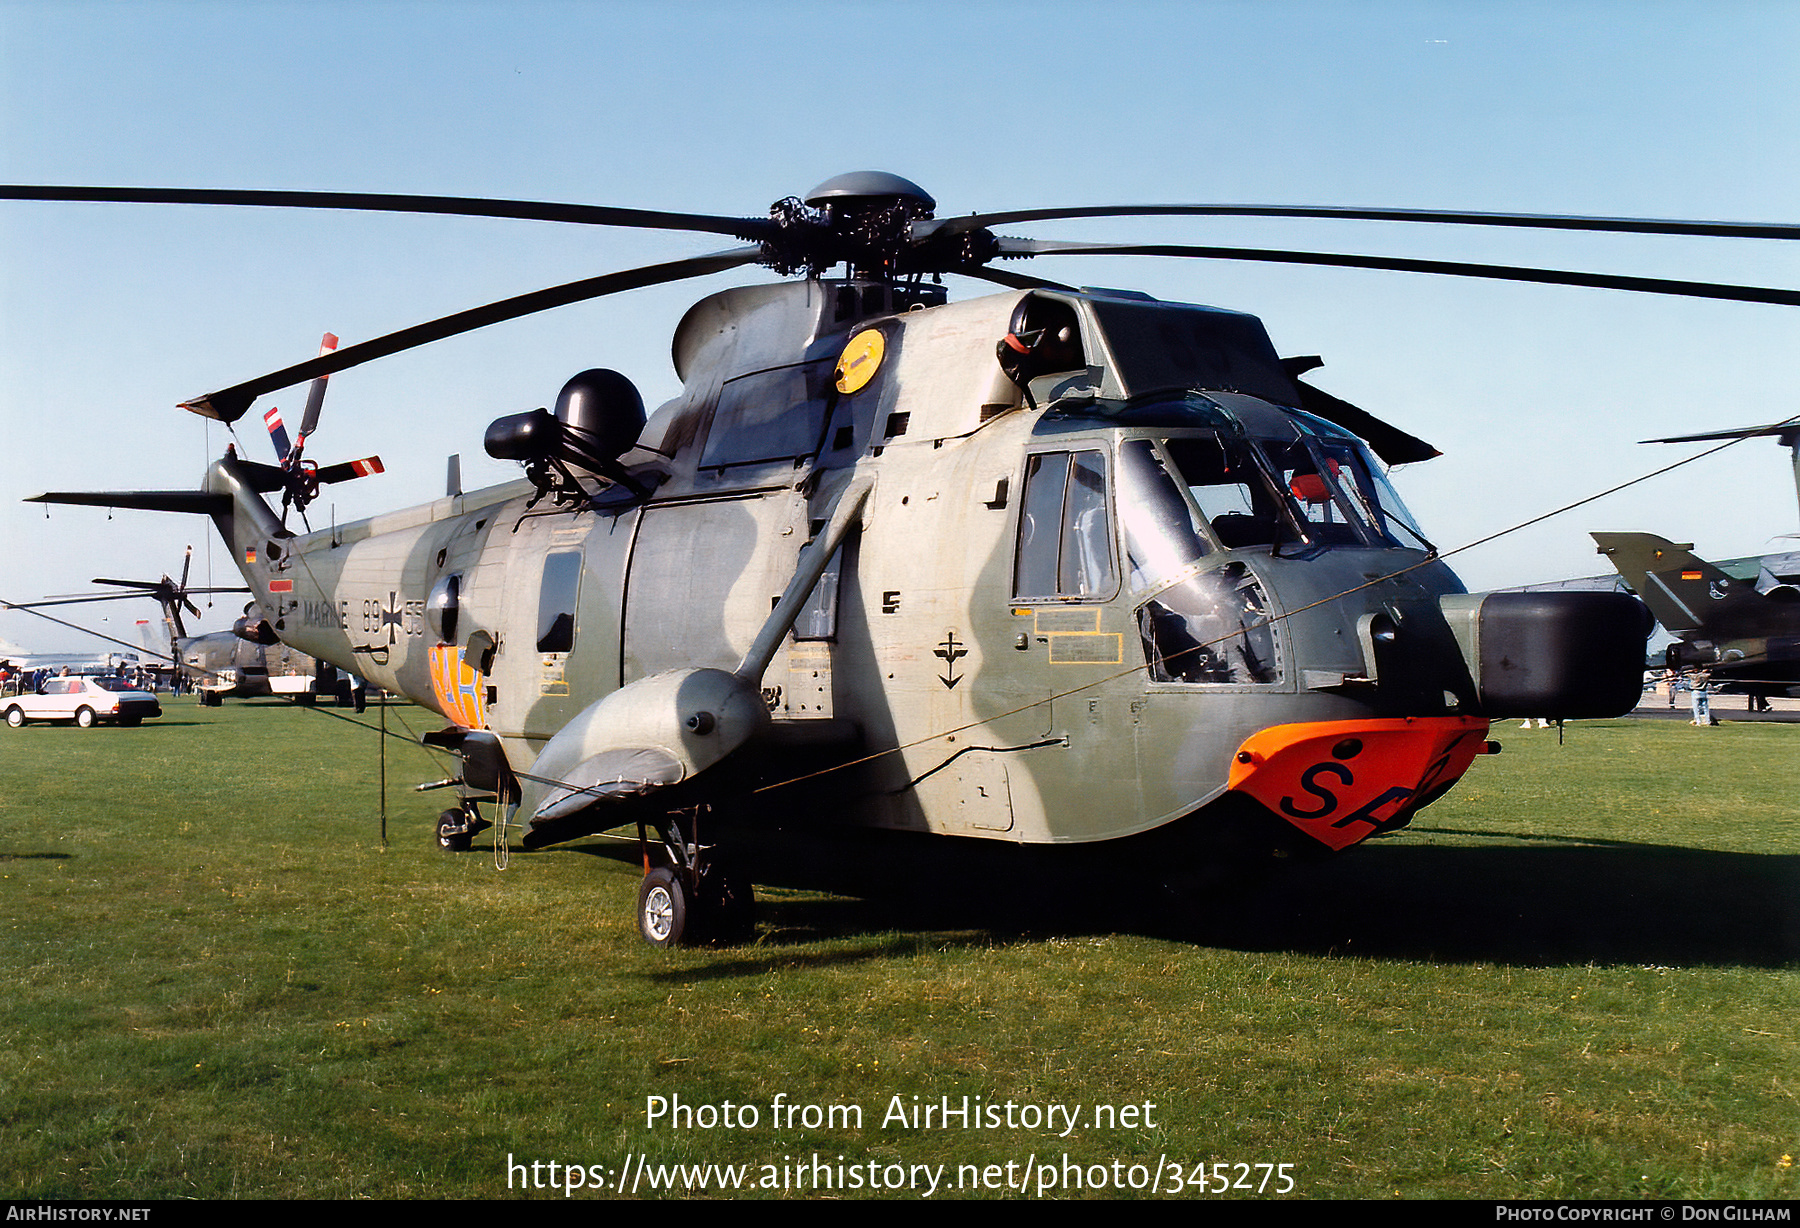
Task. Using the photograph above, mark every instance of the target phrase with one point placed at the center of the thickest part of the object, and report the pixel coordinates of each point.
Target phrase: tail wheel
(662, 908)
(84, 717)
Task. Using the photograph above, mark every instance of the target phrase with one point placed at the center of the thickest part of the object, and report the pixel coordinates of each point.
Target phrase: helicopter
(1049, 567)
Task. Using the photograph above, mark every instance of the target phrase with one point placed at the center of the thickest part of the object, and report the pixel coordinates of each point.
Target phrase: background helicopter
(203, 661)
(763, 476)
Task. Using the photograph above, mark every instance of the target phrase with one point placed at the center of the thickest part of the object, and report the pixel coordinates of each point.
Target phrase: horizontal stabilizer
(204, 502)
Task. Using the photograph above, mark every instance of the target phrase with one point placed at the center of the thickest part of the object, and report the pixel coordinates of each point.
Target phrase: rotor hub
(868, 221)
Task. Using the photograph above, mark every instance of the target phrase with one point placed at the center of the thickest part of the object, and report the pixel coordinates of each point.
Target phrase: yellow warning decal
(860, 360)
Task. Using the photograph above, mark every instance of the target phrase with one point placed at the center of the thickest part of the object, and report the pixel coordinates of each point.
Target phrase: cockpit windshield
(1357, 495)
(1183, 498)
(1313, 491)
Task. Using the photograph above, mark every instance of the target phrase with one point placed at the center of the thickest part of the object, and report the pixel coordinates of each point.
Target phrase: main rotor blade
(349, 470)
(229, 404)
(751, 229)
(1495, 272)
(1743, 432)
(1540, 221)
(48, 601)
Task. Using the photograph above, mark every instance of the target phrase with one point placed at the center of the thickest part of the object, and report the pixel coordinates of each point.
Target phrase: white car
(84, 701)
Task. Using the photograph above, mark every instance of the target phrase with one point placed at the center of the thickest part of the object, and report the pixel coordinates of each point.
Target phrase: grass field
(1576, 976)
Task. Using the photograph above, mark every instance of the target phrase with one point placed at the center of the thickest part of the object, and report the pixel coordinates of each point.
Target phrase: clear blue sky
(109, 315)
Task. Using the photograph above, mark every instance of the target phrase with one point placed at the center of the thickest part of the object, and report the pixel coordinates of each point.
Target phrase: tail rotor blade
(277, 432)
(315, 396)
(351, 469)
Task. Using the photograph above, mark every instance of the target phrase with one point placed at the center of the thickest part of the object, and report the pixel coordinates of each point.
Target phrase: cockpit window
(1213, 626)
(1312, 482)
(1233, 492)
(1065, 531)
(1317, 490)
(1376, 500)
(1162, 536)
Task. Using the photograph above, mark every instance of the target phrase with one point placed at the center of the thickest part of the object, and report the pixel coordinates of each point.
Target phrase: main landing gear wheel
(697, 895)
(452, 832)
(662, 908)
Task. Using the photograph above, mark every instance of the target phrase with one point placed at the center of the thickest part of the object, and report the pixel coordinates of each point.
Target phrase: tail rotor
(297, 478)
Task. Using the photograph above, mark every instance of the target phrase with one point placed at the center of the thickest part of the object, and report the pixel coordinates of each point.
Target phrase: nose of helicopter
(1342, 781)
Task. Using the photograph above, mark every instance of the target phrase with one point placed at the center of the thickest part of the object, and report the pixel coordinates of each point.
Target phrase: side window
(1065, 530)
(817, 619)
(556, 601)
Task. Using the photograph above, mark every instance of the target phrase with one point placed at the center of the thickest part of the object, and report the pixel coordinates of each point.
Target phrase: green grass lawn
(1576, 976)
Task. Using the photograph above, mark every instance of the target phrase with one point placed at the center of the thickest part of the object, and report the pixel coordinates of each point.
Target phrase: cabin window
(1065, 531)
(556, 601)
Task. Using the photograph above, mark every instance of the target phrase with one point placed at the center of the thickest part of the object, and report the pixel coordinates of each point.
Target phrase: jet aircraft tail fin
(1681, 589)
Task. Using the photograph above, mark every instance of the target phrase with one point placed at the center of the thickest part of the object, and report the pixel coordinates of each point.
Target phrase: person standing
(1701, 701)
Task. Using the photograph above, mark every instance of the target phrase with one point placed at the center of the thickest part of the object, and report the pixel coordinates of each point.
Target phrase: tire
(662, 909)
(84, 718)
(15, 716)
(449, 839)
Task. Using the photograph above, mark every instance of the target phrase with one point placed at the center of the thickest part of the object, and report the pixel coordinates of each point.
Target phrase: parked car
(84, 701)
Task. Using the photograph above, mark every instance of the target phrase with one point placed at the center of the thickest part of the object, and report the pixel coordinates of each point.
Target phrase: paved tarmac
(1727, 707)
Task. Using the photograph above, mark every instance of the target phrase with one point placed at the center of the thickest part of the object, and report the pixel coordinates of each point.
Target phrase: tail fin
(1681, 589)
